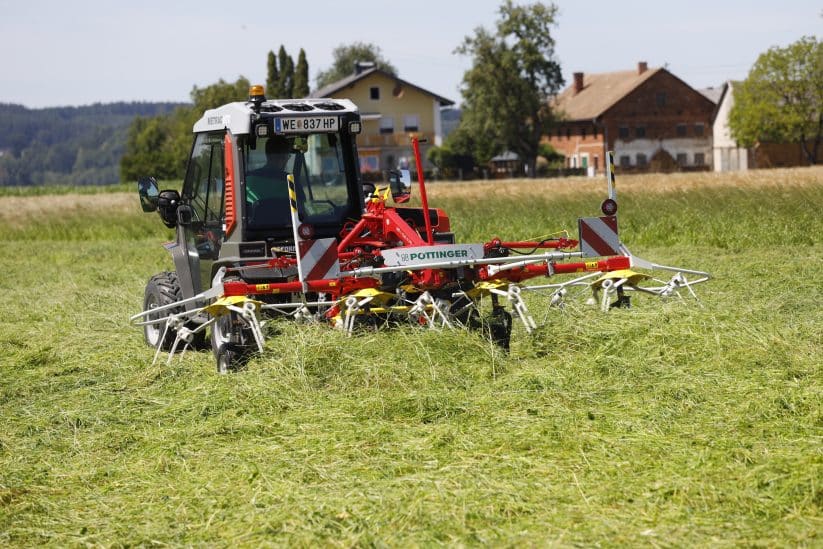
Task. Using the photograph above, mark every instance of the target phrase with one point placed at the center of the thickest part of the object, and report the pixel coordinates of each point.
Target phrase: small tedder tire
(230, 344)
(230, 358)
(500, 327)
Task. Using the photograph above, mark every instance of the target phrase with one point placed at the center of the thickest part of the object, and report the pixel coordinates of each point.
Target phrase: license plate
(306, 124)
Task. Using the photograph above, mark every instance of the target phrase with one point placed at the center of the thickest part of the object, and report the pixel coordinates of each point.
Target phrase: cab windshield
(317, 163)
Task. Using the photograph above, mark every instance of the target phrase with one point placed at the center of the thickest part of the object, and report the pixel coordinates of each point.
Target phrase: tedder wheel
(231, 357)
(500, 327)
(229, 343)
(163, 289)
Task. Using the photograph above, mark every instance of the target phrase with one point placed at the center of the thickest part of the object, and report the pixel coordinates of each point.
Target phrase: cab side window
(203, 192)
(204, 180)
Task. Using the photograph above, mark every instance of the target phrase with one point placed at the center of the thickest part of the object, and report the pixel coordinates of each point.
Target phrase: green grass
(663, 425)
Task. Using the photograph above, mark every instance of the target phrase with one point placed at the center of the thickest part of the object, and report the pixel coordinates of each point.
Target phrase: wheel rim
(221, 333)
(224, 362)
(152, 331)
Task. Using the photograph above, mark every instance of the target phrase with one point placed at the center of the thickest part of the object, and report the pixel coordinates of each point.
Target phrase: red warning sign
(318, 258)
(598, 236)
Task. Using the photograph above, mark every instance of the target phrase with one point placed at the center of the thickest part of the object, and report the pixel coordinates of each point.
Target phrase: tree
(301, 76)
(514, 74)
(345, 57)
(782, 98)
(285, 86)
(160, 145)
(272, 75)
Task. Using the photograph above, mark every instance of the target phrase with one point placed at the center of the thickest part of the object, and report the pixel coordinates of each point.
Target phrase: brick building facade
(651, 119)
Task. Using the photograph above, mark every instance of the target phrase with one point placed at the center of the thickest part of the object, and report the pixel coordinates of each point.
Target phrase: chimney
(362, 66)
(578, 82)
(642, 67)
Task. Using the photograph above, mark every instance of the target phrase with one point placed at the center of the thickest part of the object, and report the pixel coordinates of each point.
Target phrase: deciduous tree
(782, 98)
(160, 145)
(514, 74)
(345, 57)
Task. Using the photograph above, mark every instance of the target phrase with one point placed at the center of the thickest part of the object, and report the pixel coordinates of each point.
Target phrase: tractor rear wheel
(164, 289)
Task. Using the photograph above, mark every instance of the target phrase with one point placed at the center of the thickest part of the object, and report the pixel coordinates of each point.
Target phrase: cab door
(203, 193)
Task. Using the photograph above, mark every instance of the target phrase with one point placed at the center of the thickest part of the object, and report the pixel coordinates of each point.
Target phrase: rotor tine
(172, 350)
(689, 287)
(607, 292)
(160, 341)
(519, 306)
(352, 307)
(249, 315)
(438, 304)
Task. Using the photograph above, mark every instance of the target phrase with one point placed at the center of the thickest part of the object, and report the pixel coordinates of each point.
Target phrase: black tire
(230, 343)
(622, 302)
(231, 357)
(500, 327)
(164, 289)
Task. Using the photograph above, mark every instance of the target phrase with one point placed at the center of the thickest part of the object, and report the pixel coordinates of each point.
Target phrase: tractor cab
(234, 205)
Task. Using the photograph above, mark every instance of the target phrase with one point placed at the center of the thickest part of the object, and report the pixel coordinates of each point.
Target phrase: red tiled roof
(600, 92)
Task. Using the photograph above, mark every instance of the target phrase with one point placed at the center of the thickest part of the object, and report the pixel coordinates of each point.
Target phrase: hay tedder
(274, 219)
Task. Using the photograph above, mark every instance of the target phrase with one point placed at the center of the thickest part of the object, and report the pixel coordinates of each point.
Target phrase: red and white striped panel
(598, 236)
(318, 258)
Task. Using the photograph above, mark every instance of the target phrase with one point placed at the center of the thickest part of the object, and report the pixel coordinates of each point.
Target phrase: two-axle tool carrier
(275, 218)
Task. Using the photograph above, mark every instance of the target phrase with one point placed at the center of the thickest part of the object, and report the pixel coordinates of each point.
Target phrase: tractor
(274, 217)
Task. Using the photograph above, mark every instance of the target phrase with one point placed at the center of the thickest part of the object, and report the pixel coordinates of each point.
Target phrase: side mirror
(149, 193)
(184, 215)
(400, 184)
(167, 203)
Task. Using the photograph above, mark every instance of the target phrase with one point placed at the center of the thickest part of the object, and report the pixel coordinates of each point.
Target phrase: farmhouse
(651, 119)
(392, 111)
(729, 156)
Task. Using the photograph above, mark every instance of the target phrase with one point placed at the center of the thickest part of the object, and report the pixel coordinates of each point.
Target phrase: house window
(369, 162)
(640, 132)
(699, 159)
(682, 159)
(681, 130)
(411, 123)
(583, 132)
(625, 161)
(699, 129)
(623, 132)
(641, 159)
(374, 93)
(661, 99)
(387, 124)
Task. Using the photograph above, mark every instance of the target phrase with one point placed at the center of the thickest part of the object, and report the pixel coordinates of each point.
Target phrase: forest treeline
(75, 145)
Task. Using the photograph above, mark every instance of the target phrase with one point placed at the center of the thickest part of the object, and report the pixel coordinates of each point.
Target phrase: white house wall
(727, 155)
(686, 145)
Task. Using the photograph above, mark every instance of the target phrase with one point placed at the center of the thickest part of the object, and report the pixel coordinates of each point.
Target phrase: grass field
(662, 425)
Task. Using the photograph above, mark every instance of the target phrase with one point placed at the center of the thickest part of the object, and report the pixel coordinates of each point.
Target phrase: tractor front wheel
(164, 289)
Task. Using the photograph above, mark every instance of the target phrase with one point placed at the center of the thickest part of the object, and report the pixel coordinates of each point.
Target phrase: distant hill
(69, 145)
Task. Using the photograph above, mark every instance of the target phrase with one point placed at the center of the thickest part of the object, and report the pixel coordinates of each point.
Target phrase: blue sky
(74, 53)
